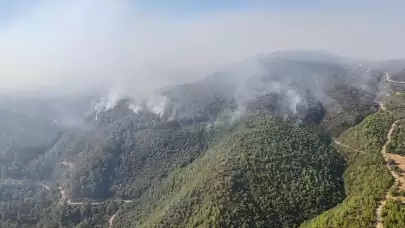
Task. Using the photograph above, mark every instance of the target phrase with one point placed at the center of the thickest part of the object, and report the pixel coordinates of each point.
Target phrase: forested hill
(251, 175)
(147, 144)
(249, 146)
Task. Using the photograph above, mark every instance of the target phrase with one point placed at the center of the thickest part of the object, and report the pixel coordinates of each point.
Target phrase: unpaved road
(379, 222)
(64, 198)
(388, 79)
(348, 147)
(399, 179)
(111, 220)
(399, 160)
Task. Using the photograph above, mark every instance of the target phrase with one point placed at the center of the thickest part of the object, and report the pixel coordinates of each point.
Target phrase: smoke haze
(115, 44)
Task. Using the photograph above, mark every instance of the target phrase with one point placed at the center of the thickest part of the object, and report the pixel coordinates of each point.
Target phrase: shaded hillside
(22, 140)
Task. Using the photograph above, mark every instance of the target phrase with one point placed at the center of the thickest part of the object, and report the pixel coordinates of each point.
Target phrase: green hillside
(393, 214)
(263, 173)
(294, 144)
(366, 177)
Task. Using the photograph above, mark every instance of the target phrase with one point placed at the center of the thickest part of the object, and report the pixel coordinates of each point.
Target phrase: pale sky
(143, 45)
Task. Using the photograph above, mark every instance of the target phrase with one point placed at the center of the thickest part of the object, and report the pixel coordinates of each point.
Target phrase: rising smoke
(122, 50)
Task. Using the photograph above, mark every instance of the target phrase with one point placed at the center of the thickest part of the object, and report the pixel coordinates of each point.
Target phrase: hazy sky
(141, 45)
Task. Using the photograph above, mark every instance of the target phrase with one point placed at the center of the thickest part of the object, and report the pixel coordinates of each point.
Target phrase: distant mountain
(310, 56)
(392, 65)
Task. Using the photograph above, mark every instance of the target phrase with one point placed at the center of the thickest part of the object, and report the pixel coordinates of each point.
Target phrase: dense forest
(296, 144)
(248, 179)
(364, 165)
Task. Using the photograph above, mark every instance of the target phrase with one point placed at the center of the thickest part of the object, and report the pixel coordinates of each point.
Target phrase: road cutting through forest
(379, 219)
(388, 79)
(399, 180)
(111, 220)
(65, 199)
(348, 147)
(398, 159)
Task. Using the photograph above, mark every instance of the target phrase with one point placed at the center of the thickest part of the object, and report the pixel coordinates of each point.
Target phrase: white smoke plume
(99, 43)
(121, 48)
(157, 104)
(107, 102)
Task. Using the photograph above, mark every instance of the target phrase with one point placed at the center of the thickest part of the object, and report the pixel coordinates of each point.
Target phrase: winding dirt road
(379, 222)
(64, 198)
(399, 180)
(388, 79)
(400, 160)
(111, 220)
(348, 147)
